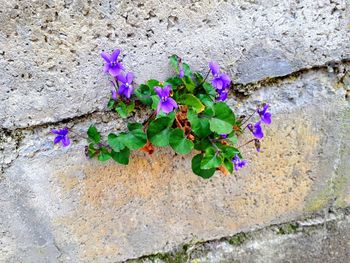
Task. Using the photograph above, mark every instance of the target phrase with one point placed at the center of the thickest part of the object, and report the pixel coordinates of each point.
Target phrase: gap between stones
(304, 225)
(240, 91)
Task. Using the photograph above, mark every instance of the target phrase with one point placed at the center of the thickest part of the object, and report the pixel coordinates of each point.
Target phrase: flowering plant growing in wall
(189, 113)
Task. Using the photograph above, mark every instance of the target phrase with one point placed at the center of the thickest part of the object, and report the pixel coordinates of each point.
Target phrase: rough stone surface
(49, 50)
(59, 207)
(326, 242)
(66, 207)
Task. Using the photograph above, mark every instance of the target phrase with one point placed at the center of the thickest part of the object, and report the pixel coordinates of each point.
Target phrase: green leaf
(152, 83)
(210, 90)
(122, 156)
(144, 93)
(174, 82)
(134, 126)
(232, 137)
(155, 101)
(228, 165)
(198, 77)
(93, 135)
(179, 142)
(174, 64)
(202, 145)
(196, 167)
(223, 119)
(194, 102)
(110, 104)
(135, 138)
(227, 151)
(115, 142)
(200, 126)
(121, 109)
(211, 159)
(91, 151)
(187, 70)
(104, 155)
(159, 131)
(189, 83)
(130, 107)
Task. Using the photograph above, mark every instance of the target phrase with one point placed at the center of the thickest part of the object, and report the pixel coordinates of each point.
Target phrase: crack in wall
(301, 225)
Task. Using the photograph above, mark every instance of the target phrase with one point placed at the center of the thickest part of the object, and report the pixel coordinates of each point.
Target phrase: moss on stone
(238, 239)
(288, 229)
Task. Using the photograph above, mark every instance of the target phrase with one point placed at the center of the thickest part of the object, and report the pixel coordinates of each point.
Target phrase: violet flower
(222, 95)
(166, 104)
(264, 115)
(62, 136)
(114, 94)
(220, 81)
(238, 162)
(112, 65)
(126, 88)
(223, 136)
(256, 130)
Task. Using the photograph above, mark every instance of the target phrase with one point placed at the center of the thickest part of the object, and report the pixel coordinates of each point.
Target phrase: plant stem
(252, 140)
(251, 115)
(204, 78)
(79, 135)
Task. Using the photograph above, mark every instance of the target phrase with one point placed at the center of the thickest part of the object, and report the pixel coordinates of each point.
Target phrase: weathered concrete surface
(50, 67)
(312, 241)
(62, 206)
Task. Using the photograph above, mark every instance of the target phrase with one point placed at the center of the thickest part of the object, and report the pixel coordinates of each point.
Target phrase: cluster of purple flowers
(115, 68)
(265, 117)
(221, 82)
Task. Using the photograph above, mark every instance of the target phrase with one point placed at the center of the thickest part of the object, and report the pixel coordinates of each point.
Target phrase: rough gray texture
(49, 50)
(326, 241)
(58, 206)
(73, 209)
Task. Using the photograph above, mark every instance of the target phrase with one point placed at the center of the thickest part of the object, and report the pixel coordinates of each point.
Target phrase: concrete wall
(59, 207)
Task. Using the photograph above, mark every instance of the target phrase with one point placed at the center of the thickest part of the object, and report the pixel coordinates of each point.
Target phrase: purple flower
(114, 94)
(256, 130)
(126, 88)
(62, 136)
(166, 103)
(223, 136)
(222, 95)
(238, 163)
(220, 81)
(264, 115)
(112, 65)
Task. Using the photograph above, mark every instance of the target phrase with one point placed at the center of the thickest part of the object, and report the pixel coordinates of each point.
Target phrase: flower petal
(57, 139)
(173, 102)
(258, 132)
(129, 77)
(167, 106)
(121, 78)
(106, 57)
(114, 71)
(115, 55)
(122, 89)
(114, 94)
(217, 83)
(106, 67)
(129, 92)
(214, 67)
(166, 90)
(266, 118)
(159, 91)
(65, 141)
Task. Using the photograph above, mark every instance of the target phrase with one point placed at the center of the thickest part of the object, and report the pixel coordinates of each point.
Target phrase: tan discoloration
(118, 202)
